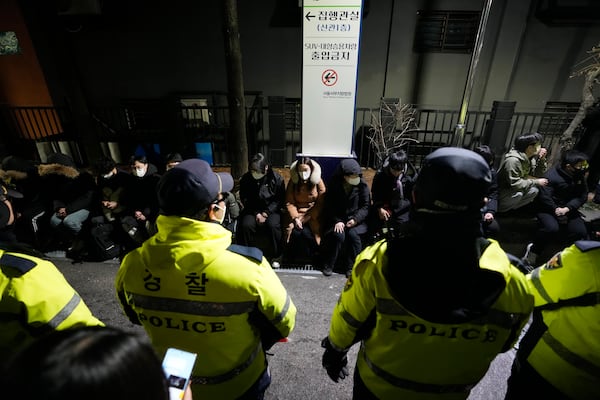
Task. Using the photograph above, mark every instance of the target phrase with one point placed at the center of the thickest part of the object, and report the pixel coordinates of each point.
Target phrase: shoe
(275, 265)
(530, 257)
(327, 270)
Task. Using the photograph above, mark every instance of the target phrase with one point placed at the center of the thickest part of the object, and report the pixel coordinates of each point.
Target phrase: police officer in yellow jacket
(434, 305)
(35, 299)
(192, 289)
(559, 356)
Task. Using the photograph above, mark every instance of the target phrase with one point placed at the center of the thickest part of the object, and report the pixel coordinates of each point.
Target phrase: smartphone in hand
(178, 366)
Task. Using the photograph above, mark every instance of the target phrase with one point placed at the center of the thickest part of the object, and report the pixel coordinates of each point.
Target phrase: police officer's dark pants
(257, 391)
(266, 237)
(525, 380)
(333, 243)
(359, 390)
(550, 230)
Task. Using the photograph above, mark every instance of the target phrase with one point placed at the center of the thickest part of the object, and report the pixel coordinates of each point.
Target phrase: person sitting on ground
(172, 160)
(111, 182)
(262, 194)
(92, 363)
(141, 202)
(70, 193)
(344, 217)
(8, 215)
(489, 224)
(304, 197)
(558, 204)
(23, 175)
(520, 172)
(390, 193)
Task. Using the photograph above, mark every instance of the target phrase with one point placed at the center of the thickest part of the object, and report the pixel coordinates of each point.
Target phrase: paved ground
(296, 366)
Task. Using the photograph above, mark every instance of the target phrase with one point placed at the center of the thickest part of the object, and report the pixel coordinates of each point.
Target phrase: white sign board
(331, 39)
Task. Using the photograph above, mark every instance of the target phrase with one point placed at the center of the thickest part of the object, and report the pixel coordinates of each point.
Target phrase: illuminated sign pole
(331, 39)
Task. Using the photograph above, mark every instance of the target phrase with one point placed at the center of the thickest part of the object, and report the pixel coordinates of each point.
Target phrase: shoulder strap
(248, 252)
(588, 299)
(22, 265)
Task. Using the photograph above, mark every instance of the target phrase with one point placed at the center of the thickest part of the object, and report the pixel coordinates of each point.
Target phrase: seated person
(520, 171)
(70, 193)
(262, 193)
(111, 183)
(8, 216)
(232, 212)
(558, 204)
(489, 223)
(390, 192)
(172, 160)
(140, 201)
(304, 196)
(344, 217)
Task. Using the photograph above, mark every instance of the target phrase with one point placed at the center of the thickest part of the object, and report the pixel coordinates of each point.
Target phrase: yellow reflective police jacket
(191, 291)
(567, 292)
(407, 357)
(36, 299)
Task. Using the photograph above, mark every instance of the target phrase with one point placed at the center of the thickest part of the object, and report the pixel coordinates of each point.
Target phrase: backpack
(101, 246)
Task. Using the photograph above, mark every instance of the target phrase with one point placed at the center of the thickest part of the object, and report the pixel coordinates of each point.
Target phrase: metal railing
(154, 123)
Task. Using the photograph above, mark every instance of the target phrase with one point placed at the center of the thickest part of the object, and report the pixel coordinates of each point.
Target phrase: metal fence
(123, 130)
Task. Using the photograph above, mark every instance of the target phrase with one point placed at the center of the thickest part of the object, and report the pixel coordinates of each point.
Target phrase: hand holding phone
(178, 366)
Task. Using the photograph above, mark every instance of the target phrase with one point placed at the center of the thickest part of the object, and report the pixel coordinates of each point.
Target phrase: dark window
(446, 31)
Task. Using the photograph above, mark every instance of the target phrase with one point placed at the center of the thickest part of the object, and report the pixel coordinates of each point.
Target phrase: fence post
(276, 106)
(498, 126)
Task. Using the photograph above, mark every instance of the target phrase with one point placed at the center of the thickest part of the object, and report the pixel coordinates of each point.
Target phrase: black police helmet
(452, 180)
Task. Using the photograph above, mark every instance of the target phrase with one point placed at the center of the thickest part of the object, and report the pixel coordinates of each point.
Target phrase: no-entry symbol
(329, 77)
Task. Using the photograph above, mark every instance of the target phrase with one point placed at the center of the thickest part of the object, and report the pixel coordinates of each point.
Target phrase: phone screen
(178, 366)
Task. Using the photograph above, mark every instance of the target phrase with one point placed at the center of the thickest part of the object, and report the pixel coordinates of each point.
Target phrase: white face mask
(220, 221)
(257, 175)
(305, 175)
(353, 181)
(140, 172)
(108, 176)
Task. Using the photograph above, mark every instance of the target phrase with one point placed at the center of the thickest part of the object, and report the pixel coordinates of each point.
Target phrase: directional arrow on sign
(309, 16)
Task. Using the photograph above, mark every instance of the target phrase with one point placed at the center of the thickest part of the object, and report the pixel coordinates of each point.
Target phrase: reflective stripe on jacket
(36, 299)
(411, 358)
(189, 291)
(567, 291)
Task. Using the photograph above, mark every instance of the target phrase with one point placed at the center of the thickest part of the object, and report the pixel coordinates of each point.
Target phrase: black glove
(334, 361)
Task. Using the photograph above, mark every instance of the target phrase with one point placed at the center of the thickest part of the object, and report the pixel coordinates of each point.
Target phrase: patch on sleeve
(587, 245)
(248, 252)
(555, 262)
(23, 265)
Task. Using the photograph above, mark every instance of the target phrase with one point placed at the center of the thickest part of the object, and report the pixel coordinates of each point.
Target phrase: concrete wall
(140, 49)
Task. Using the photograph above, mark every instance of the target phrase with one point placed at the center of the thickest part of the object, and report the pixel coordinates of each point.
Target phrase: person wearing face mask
(520, 173)
(345, 212)
(140, 201)
(390, 192)
(190, 288)
(111, 183)
(262, 194)
(304, 197)
(558, 204)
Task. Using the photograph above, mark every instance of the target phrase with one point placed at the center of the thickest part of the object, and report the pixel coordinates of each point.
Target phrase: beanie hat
(452, 180)
(191, 186)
